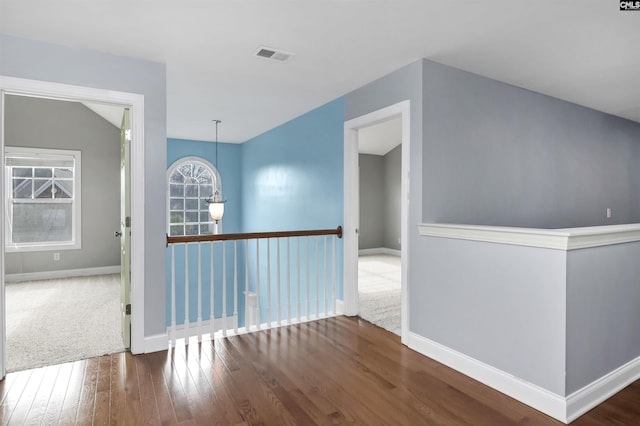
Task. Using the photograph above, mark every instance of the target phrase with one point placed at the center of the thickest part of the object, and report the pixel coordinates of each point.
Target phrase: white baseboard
(66, 273)
(565, 409)
(602, 389)
(379, 250)
(156, 343)
(541, 399)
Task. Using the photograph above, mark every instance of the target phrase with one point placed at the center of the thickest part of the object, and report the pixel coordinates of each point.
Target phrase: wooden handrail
(252, 235)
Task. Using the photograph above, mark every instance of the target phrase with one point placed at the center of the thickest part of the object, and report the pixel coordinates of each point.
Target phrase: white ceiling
(380, 138)
(583, 51)
(111, 113)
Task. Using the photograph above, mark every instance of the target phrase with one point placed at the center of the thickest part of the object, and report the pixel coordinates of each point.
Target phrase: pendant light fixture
(216, 204)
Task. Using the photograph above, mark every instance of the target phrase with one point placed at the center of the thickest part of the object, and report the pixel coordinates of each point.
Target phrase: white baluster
(279, 282)
(186, 293)
(289, 280)
(199, 289)
(235, 286)
(224, 288)
(212, 316)
(324, 274)
(308, 290)
(335, 275)
(173, 296)
(268, 282)
(247, 325)
(317, 281)
(258, 295)
(298, 278)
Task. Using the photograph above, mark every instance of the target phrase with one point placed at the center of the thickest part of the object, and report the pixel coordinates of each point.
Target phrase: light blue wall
(292, 176)
(229, 164)
(292, 179)
(82, 67)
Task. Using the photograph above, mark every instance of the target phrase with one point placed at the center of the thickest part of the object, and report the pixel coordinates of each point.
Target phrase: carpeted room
(52, 314)
(379, 265)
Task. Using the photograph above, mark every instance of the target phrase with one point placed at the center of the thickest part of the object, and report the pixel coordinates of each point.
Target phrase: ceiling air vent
(273, 54)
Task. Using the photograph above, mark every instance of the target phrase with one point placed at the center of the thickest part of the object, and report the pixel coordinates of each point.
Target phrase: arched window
(190, 182)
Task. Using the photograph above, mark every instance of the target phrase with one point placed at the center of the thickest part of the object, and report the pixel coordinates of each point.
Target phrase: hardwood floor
(333, 371)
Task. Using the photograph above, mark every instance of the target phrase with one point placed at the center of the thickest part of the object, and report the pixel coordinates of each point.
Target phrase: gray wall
(495, 154)
(44, 61)
(392, 175)
(603, 317)
(501, 304)
(401, 85)
(484, 152)
(46, 123)
(380, 200)
(372, 212)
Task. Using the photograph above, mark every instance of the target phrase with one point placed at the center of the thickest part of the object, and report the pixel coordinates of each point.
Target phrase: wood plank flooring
(334, 371)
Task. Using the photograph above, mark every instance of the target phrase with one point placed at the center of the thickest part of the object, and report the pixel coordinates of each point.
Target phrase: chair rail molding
(559, 239)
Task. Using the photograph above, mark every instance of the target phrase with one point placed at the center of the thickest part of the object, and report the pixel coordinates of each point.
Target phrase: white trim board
(379, 250)
(583, 400)
(565, 409)
(558, 239)
(65, 273)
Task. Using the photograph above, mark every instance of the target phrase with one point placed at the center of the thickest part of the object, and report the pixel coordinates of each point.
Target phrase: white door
(125, 227)
(3, 338)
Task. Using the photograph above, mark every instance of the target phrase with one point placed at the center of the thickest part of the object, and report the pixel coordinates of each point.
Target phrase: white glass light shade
(216, 210)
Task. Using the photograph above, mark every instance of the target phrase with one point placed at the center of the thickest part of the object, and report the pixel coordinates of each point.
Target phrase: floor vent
(273, 54)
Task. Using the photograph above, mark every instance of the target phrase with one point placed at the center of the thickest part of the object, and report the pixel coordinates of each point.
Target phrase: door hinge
(127, 221)
(127, 309)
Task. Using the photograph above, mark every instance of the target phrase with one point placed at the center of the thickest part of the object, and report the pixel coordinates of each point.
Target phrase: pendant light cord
(216, 194)
(217, 122)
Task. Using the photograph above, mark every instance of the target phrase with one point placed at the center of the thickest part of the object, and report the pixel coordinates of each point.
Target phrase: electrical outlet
(608, 213)
(56, 256)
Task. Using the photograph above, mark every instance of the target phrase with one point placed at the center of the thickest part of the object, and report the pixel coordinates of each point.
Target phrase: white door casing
(351, 207)
(25, 87)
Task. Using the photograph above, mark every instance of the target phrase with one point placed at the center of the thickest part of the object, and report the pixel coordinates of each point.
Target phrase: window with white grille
(191, 182)
(43, 194)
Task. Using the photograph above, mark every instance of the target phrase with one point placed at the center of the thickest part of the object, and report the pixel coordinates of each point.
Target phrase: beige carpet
(379, 287)
(61, 320)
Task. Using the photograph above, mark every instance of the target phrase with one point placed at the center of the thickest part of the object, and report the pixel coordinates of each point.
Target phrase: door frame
(45, 89)
(351, 207)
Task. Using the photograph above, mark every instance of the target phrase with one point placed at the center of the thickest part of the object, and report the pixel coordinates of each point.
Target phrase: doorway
(379, 249)
(352, 208)
(62, 177)
(135, 102)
